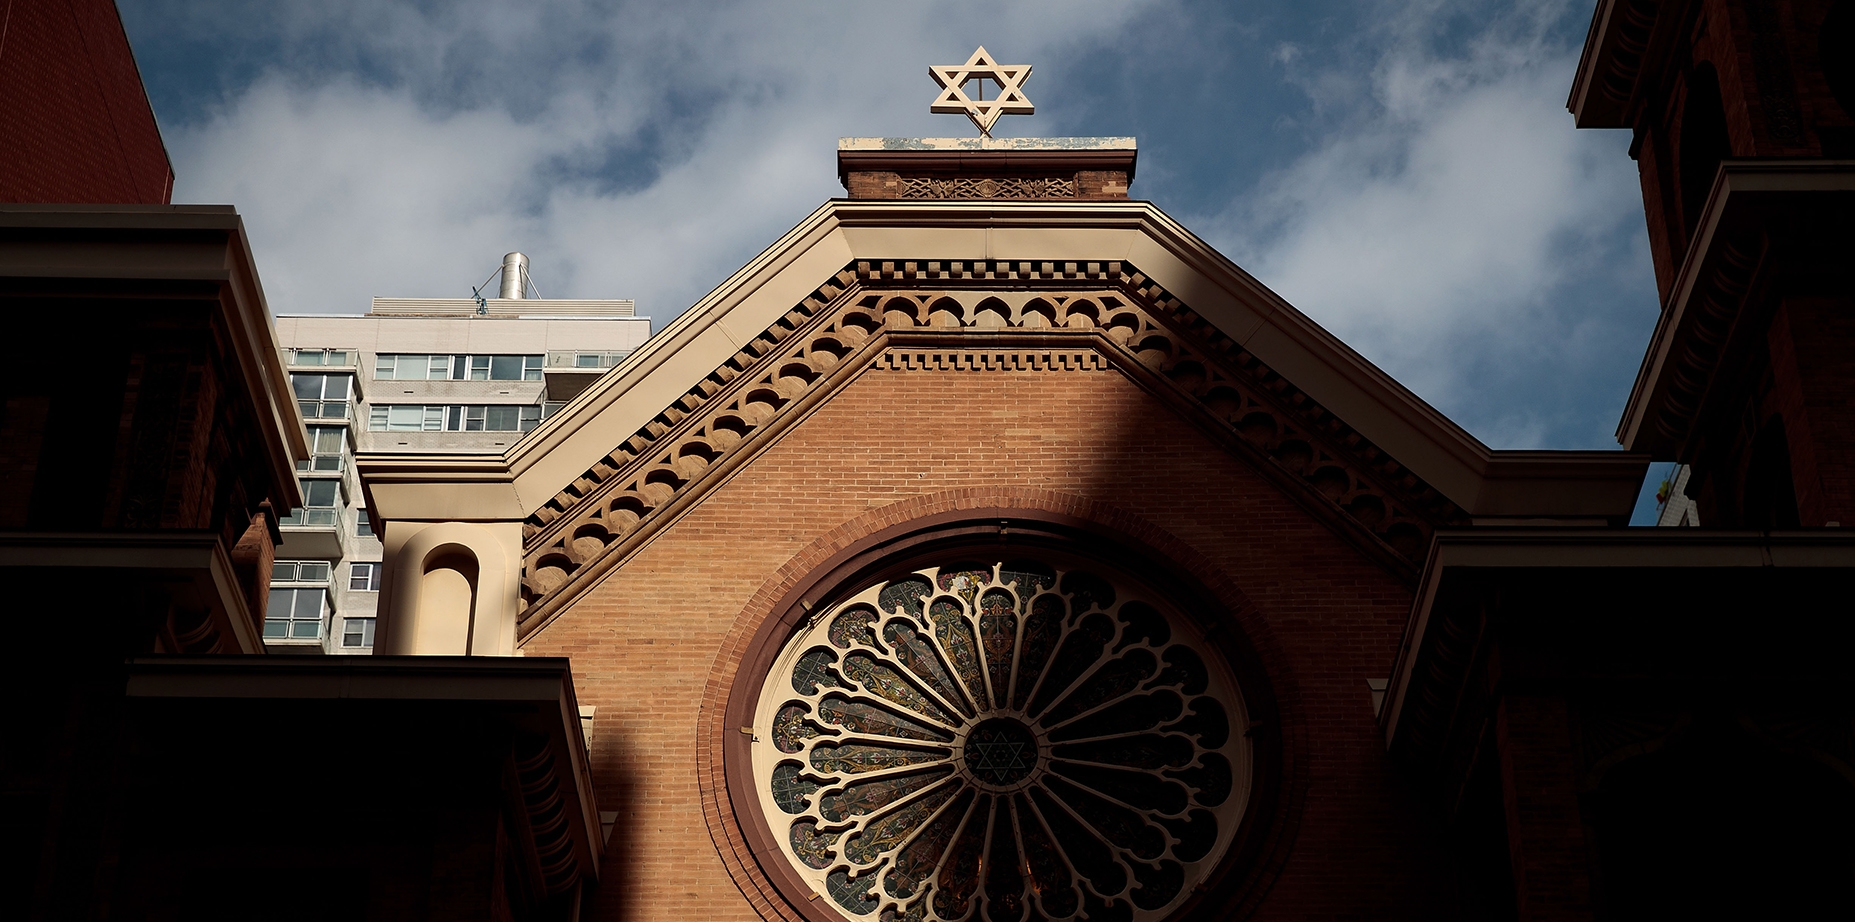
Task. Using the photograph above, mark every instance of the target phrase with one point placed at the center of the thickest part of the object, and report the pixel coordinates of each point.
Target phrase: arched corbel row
(788, 360)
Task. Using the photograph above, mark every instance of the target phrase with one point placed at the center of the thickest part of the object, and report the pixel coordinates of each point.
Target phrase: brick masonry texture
(76, 127)
(647, 639)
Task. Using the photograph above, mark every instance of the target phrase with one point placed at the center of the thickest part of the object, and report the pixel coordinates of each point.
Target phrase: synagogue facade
(979, 557)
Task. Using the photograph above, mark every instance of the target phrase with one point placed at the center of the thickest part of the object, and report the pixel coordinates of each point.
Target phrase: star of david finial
(984, 112)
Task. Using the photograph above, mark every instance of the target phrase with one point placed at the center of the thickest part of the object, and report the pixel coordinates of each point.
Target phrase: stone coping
(975, 144)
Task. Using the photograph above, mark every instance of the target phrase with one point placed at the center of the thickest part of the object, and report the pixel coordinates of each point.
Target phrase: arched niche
(452, 593)
(447, 600)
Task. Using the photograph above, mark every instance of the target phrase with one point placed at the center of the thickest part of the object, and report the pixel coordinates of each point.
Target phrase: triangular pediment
(959, 286)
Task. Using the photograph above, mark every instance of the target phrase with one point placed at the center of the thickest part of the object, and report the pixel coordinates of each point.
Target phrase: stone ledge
(986, 168)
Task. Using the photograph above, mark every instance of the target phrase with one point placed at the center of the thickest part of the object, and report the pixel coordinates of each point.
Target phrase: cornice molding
(155, 252)
(965, 320)
(1627, 38)
(881, 231)
(1750, 201)
(842, 233)
(1437, 652)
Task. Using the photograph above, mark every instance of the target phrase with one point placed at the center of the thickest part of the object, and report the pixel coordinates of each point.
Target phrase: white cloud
(1445, 218)
(640, 152)
(1442, 225)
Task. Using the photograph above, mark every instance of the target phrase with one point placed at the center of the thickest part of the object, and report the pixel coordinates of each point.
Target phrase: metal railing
(321, 358)
(321, 463)
(316, 517)
(324, 409)
(563, 360)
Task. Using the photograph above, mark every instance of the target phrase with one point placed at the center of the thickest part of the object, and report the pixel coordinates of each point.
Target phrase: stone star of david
(984, 112)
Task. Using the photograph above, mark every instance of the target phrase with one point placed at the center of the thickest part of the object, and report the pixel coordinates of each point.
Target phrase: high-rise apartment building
(418, 375)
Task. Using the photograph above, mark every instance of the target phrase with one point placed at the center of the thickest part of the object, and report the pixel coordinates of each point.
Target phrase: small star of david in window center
(1001, 752)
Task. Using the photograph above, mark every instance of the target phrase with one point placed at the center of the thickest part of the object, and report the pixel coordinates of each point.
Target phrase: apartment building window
(364, 577)
(295, 612)
(335, 357)
(412, 367)
(405, 417)
(363, 527)
(326, 447)
(323, 396)
(421, 367)
(453, 418)
(357, 632)
(321, 503)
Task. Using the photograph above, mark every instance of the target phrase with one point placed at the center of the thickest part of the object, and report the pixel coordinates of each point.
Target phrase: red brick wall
(645, 640)
(76, 126)
(1813, 391)
(1776, 102)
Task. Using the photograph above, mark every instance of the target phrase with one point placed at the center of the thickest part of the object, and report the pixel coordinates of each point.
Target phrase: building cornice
(196, 560)
(1700, 322)
(96, 249)
(1562, 550)
(537, 691)
(1624, 42)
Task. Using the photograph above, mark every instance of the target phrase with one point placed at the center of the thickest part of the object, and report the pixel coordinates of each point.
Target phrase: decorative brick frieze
(992, 360)
(987, 187)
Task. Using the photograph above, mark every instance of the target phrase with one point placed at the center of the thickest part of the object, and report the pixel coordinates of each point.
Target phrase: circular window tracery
(1001, 742)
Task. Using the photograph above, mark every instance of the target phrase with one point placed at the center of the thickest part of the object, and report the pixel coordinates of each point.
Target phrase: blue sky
(1403, 171)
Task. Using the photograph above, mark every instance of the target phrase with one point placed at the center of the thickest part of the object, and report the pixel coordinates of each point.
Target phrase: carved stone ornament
(1001, 741)
(962, 187)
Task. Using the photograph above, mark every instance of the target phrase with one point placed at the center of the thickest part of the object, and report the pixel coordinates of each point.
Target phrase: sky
(1402, 171)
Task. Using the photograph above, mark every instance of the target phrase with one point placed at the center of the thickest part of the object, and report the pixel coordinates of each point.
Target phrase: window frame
(316, 514)
(367, 573)
(306, 576)
(440, 366)
(453, 417)
(319, 405)
(361, 626)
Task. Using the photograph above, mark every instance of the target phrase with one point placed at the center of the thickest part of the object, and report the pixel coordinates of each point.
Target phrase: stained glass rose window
(1002, 742)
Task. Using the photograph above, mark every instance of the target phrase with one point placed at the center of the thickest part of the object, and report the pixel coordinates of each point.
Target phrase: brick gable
(652, 636)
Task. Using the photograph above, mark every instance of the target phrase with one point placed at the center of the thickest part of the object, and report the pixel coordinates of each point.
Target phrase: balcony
(568, 372)
(326, 410)
(322, 464)
(317, 359)
(312, 534)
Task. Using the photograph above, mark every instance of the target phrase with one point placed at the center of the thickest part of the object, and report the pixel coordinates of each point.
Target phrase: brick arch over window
(970, 519)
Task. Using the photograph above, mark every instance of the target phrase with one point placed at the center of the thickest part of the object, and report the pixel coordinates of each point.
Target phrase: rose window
(1001, 742)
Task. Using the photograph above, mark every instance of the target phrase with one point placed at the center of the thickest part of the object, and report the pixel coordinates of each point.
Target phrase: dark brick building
(76, 127)
(149, 441)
